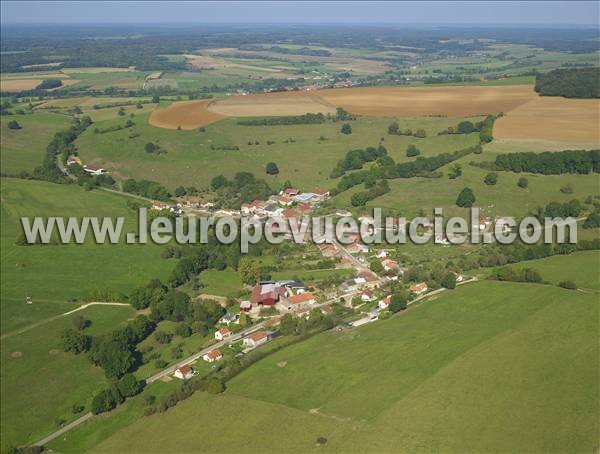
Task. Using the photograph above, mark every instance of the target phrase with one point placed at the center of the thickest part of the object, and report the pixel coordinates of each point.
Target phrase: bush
(491, 179)
(215, 386)
(272, 169)
(523, 183)
(466, 198)
(569, 285)
(411, 151)
(346, 129)
(14, 125)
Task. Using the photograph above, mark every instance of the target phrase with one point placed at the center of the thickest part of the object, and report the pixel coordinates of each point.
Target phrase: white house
(385, 303)
(256, 339)
(94, 170)
(222, 333)
(381, 254)
(419, 288)
(212, 356)
(184, 372)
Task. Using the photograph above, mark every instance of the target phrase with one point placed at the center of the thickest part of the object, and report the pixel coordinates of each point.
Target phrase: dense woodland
(550, 162)
(570, 83)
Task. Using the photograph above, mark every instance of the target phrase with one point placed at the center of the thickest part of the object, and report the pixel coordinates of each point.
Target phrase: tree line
(550, 162)
(569, 83)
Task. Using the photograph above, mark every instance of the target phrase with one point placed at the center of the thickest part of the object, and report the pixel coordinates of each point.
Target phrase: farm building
(245, 306)
(184, 372)
(267, 294)
(212, 356)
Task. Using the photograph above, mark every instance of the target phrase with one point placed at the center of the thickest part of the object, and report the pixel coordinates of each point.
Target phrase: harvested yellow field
(427, 101)
(35, 75)
(376, 101)
(274, 104)
(185, 115)
(97, 70)
(557, 122)
(19, 84)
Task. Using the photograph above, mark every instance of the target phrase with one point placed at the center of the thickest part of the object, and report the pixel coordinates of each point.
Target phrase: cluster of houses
(287, 204)
(285, 295)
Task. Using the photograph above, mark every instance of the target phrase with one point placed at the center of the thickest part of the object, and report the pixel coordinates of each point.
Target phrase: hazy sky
(438, 12)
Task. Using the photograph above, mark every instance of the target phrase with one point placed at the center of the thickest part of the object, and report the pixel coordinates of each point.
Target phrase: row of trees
(394, 129)
(551, 163)
(467, 127)
(388, 169)
(60, 145)
(306, 119)
(146, 188)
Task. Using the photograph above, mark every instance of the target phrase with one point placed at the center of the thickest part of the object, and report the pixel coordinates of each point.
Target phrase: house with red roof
(184, 372)
(212, 356)
(419, 288)
(222, 333)
(256, 339)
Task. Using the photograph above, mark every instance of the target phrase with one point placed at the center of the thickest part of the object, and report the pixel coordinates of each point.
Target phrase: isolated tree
(215, 386)
(156, 99)
(376, 266)
(219, 182)
(122, 112)
(272, 168)
(393, 128)
(249, 270)
(150, 147)
(13, 124)
(523, 182)
(80, 322)
(420, 133)
(346, 129)
(466, 198)
(491, 179)
(399, 302)
(412, 150)
(74, 341)
(129, 386)
(449, 281)
(465, 127)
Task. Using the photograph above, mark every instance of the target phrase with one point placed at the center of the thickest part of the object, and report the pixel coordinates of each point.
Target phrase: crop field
(41, 382)
(262, 106)
(193, 157)
(24, 149)
(185, 115)
(53, 274)
(419, 382)
(558, 123)
(452, 101)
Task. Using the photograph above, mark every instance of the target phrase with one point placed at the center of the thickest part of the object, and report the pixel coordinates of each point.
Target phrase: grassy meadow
(41, 382)
(24, 149)
(431, 379)
(194, 158)
(54, 274)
